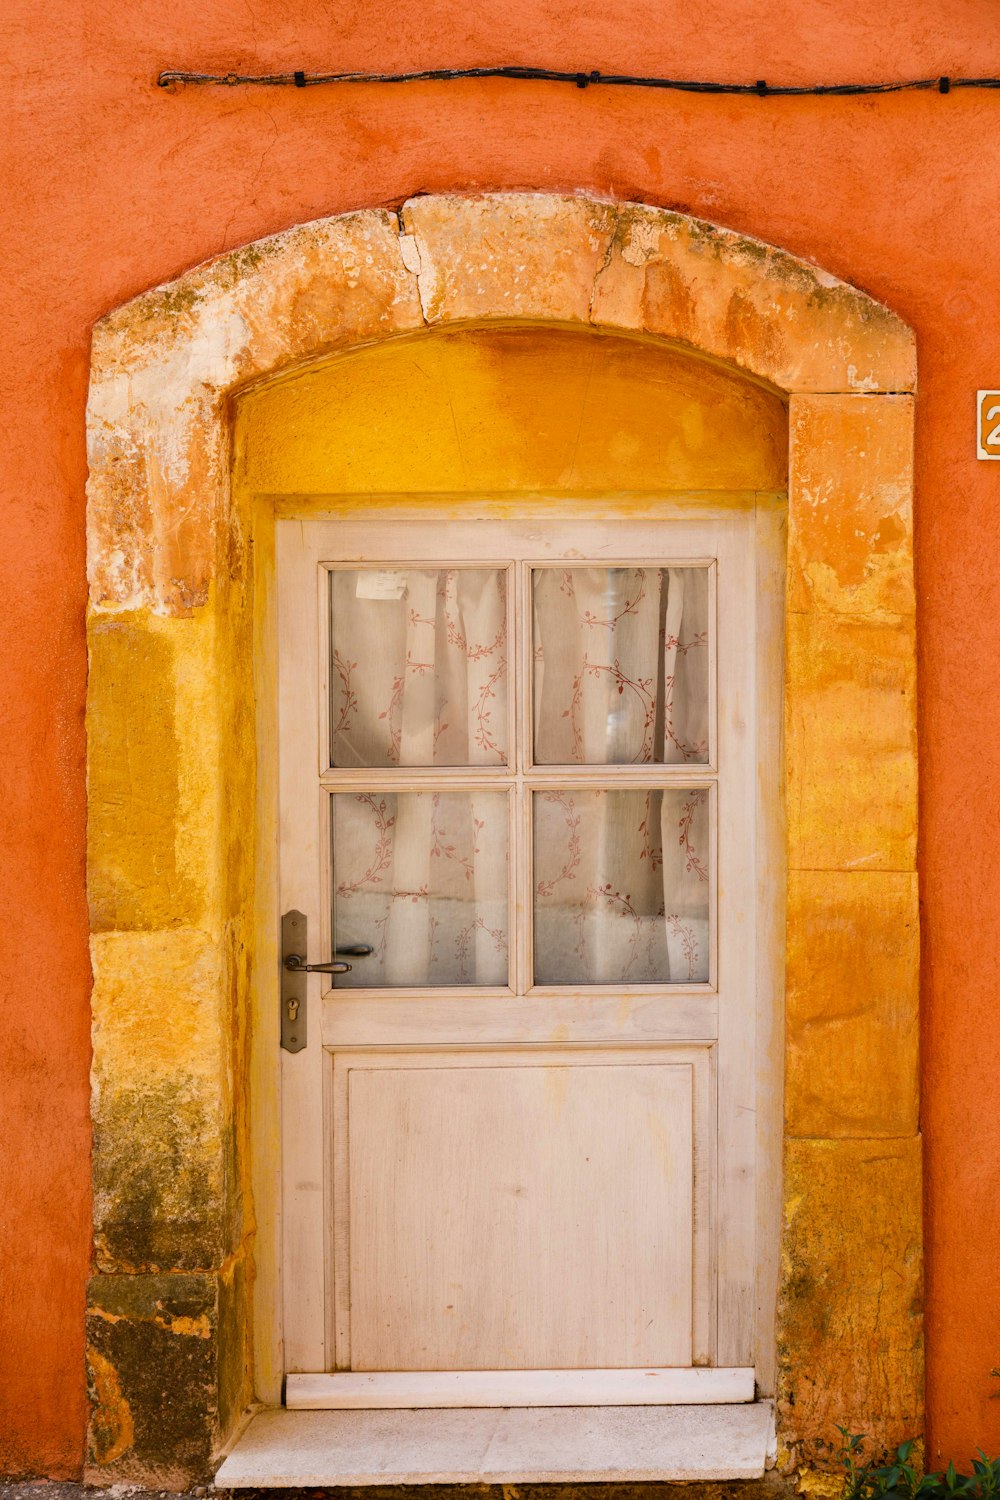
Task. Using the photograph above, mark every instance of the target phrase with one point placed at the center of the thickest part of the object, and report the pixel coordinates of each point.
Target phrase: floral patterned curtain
(621, 677)
(420, 677)
(420, 674)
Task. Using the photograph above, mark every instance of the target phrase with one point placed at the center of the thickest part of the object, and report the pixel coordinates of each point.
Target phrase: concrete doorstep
(507, 1445)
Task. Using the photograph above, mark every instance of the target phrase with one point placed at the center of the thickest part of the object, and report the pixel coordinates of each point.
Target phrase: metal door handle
(294, 996)
(297, 964)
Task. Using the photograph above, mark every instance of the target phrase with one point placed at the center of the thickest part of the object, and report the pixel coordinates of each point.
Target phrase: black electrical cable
(761, 88)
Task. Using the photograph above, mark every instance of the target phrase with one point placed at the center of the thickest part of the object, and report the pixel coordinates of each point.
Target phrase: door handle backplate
(294, 968)
(294, 1011)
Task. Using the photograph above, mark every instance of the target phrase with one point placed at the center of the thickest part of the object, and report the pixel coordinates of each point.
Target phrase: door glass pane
(422, 877)
(621, 886)
(621, 660)
(418, 667)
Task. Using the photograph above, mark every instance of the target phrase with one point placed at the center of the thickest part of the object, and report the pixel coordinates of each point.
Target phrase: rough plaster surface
(117, 186)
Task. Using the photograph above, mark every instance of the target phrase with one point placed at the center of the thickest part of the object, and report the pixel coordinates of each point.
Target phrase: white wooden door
(517, 760)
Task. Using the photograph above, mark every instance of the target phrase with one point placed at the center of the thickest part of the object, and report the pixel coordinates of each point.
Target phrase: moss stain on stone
(146, 1363)
(158, 1208)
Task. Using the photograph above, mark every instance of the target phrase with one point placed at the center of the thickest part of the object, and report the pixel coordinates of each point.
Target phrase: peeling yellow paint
(199, 1327)
(112, 1428)
(818, 1485)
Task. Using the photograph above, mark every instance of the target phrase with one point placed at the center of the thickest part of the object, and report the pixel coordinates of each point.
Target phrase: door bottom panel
(511, 1212)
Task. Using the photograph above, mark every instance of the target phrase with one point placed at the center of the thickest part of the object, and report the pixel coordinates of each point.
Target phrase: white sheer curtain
(419, 677)
(419, 672)
(621, 665)
(621, 886)
(621, 659)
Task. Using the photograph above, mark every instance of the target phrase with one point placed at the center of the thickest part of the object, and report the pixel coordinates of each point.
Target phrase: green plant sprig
(896, 1478)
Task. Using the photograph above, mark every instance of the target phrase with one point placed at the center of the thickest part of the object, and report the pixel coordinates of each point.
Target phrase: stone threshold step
(282, 1449)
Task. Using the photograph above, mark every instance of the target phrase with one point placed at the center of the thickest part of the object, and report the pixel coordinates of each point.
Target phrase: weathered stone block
(850, 733)
(152, 1349)
(161, 1124)
(156, 1007)
(152, 724)
(509, 255)
(850, 1341)
(164, 364)
(156, 473)
(850, 532)
(323, 286)
(750, 304)
(133, 879)
(852, 1004)
(159, 1174)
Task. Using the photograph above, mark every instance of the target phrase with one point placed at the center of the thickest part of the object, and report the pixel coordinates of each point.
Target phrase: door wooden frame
(703, 528)
(726, 1187)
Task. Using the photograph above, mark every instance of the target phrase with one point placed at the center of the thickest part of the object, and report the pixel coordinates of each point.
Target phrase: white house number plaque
(988, 426)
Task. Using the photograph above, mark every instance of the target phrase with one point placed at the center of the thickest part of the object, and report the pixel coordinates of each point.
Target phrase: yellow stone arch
(176, 826)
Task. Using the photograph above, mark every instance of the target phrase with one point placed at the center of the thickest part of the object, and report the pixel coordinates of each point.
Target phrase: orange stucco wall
(112, 186)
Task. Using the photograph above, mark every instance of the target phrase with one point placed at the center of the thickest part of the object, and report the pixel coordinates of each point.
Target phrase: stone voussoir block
(165, 363)
(750, 304)
(508, 255)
